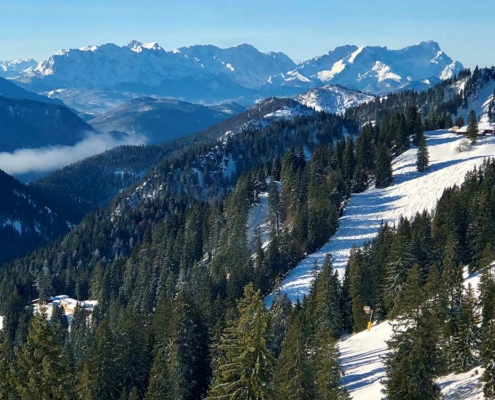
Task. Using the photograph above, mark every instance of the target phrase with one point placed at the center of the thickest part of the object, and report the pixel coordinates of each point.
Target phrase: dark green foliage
(295, 370)
(383, 171)
(244, 365)
(415, 357)
(423, 158)
(472, 130)
(42, 368)
(466, 341)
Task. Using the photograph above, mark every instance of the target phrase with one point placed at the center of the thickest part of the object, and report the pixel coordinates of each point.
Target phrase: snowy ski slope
(410, 193)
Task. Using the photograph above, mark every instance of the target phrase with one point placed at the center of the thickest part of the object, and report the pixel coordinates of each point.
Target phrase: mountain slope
(333, 98)
(372, 69)
(26, 221)
(158, 119)
(95, 181)
(32, 124)
(411, 192)
(12, 91)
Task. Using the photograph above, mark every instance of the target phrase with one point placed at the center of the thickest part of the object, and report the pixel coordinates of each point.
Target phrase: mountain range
(95, 79)
(161, 119)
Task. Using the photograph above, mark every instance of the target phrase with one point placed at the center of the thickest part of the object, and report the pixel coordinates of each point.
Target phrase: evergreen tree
(472, 130)
(328, 371)
(159, 381)
(188, 355)
(467, 338)
(280, 313)
(383, 169)
(244, 365)
(489, 362)
(423, 158)
(415, 357)
(6, 390)
(42, 369)
(295, 370)
(326, 299)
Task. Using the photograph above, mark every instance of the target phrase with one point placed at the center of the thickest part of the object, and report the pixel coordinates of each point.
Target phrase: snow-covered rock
(11, 69)
(374, 69)
(333, 98)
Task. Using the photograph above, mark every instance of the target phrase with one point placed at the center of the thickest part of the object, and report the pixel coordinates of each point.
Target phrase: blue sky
(301, 29)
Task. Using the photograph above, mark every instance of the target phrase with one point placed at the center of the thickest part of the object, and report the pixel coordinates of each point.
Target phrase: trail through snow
(410, 193)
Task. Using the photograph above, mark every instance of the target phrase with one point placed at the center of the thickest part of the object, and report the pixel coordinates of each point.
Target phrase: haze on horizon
(33, 29)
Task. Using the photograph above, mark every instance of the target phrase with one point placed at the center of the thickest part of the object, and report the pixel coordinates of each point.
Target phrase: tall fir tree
(466, 341)
(42, 369)
(295, 371)
(413, 362)
(383, 168)
(327, 366)
(244, 364)
(423, 158)
(472, 130)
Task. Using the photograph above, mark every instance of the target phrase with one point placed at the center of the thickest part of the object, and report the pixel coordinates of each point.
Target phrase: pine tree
(326, 293)
(472, 130)
(42, 369)
(280, 314)
(383, 168)
(295, 371)
(159, 387)
(6, 390)
(488, 354)
(415, 357)
(244, 365)
(466, 342)
(328, 370)
(423, 158)
(188, 355)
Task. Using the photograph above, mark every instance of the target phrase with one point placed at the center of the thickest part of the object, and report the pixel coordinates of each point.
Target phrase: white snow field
(410, 193)
(362, 361)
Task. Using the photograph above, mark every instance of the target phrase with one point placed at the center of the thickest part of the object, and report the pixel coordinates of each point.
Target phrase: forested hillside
(180, 310)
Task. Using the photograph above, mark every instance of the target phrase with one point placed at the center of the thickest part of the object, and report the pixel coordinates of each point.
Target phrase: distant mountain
(12, 91)
(11, 69)
(159, 120)
(33, 124)
(96, 79)
(333, 98)
(197, 73)
(231, 107)
(26, 221)
(372, 69)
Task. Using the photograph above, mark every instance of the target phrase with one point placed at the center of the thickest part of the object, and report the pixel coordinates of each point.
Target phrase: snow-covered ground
(333, 98)
(411, 192)
(362, 357)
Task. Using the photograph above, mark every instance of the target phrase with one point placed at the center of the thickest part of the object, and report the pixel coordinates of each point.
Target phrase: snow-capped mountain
(198, 73)
(372, 69)
(333, 98)
(11, 69)
(95, 79)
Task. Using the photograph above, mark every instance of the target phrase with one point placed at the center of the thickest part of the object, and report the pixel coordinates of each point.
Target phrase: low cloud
(47, 159)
